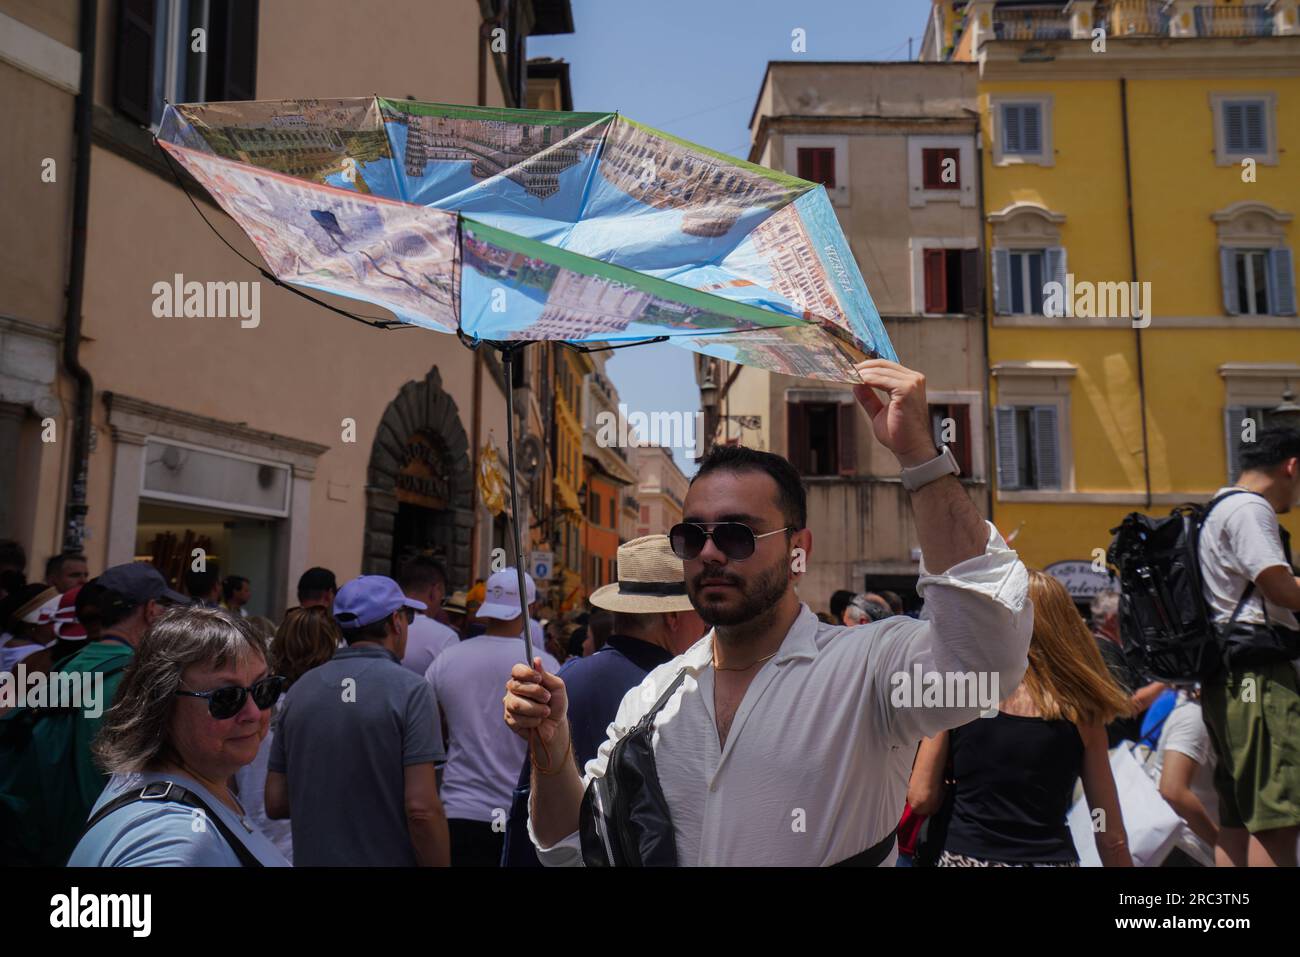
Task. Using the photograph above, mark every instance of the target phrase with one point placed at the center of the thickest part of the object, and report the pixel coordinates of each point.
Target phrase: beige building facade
(895, 146)
(303, 439)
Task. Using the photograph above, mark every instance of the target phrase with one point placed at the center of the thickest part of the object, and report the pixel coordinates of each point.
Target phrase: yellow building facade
(1121, 144)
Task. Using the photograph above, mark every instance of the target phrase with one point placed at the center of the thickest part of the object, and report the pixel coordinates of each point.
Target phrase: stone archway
(420, 463)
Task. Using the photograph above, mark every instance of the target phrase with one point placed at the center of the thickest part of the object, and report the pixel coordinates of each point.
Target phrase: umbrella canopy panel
(522, 224)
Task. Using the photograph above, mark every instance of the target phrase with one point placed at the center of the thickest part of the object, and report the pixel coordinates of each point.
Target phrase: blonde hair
(307, 637)
(1067, 678)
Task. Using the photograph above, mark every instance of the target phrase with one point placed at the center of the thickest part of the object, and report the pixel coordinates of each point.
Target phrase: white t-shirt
(425, 640)
(484, 756)
(1185, 732)
(1240, 539)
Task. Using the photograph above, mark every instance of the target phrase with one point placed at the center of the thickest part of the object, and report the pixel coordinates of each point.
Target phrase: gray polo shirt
(344, 737)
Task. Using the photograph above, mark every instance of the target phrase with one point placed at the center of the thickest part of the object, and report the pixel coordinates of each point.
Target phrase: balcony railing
(1224, 21)
(1031, 25)
(1137, 18)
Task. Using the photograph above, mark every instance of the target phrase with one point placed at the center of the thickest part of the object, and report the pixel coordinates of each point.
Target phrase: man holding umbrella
(780, 743)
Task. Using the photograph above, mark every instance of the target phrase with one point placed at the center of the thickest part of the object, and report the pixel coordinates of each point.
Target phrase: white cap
(502, 595)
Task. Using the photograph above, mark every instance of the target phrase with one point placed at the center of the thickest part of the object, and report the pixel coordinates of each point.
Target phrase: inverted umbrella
(510, 226)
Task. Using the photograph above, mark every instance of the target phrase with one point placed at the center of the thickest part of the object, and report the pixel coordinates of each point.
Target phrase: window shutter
(796, 433)
(963, 450)
(1228, 276)
(1234, 132)
(971, 301)
(1002, 282)
(1047, 446)
(1011, 129)
(930, 167)
(133, 80)
(1054, 265)
(232, 50)
(1253, 127)
(1281, 283)
(1032, 134)
(1232, 417)
(936, 281)
(1004, 422)
(847, 434)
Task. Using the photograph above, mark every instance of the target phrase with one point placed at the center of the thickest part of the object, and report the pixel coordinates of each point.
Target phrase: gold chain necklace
(717, 667)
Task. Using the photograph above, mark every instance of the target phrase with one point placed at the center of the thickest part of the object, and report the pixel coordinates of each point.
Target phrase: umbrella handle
(507, 352)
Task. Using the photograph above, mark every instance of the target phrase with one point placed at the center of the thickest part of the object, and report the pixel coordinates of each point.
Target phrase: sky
(693, 68)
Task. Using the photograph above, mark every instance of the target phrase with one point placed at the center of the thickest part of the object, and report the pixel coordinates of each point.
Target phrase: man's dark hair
(1273, 445)
(839, 601)
(55, 563)
(792, 498)
(314, 583)
(231, 584)
(894, 599)
(199, 584)
(375, 631)
(420, 572)
(599, 626)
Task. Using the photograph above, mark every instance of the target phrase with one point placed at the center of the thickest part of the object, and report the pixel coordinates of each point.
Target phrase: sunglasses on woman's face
(736, 540)
(227, 702)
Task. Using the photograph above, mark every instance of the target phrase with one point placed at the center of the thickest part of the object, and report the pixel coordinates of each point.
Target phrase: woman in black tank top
(1009, 779)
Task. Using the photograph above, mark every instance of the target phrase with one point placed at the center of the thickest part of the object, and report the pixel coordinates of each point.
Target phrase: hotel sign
(422, 479)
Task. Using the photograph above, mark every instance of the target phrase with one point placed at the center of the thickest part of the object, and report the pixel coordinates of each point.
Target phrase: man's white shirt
(1241, 538)
(816, 764)
(426, 639)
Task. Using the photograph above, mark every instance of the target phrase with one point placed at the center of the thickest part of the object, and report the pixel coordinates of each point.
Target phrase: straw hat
(650, 579)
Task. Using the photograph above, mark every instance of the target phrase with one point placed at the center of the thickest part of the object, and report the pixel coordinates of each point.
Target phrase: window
(645, 513)
(950, 424)
(820, 159)
(1019, 276)
(951, 281)
(1257, 282)
(156, 60)
(941, 168)
(1028, 441)
(820, 437)
(595, 508)
(1244, 126)
(1022, 130)
(817, 165)
(613, 516)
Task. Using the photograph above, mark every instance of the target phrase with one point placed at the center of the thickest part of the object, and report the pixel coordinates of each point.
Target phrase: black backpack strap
(173, 792)
(873, 855)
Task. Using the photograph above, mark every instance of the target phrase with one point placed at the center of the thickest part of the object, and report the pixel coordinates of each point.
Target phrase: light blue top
(167, 833)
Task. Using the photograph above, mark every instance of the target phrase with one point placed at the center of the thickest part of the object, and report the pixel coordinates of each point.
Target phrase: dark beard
(758, 597)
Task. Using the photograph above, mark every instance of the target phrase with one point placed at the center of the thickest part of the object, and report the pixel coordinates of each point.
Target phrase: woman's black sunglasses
(734, 539)
(227, 702)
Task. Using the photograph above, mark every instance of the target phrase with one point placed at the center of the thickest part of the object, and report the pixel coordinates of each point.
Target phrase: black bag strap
(873, 855)
(173, 792)
(649, 716)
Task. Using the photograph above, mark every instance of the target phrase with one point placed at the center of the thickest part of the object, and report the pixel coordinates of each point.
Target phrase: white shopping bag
(1152, 826)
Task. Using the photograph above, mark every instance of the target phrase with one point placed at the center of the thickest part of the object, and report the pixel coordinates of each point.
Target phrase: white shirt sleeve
(974, 634)
(1185, 732)
(567, 852)
(1255, 542)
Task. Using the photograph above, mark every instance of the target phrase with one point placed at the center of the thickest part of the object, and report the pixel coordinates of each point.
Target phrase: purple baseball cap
(368, 599)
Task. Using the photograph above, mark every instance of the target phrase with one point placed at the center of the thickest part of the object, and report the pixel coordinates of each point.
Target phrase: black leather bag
(624, 821)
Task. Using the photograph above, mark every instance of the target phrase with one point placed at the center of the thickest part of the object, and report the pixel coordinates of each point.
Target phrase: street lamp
(1288, 411)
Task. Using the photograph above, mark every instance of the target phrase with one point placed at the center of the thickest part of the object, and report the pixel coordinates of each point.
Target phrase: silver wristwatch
(945, 463)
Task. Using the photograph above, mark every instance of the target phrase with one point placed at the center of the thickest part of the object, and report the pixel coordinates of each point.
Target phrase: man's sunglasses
(734, 539)
(227, 702)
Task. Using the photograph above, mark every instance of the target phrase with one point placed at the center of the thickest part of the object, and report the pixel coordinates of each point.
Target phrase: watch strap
(945, 463)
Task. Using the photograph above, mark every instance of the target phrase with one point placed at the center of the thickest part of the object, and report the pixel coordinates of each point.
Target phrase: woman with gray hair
(193, 708)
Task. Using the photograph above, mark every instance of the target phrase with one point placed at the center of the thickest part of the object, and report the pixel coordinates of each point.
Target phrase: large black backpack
(1165, 624)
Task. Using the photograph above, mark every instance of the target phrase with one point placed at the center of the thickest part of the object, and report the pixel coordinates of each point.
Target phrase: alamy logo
(1099, 300)
(60, 689)
(947, 689)
(668, 429)
(103, 910)
(211, 300)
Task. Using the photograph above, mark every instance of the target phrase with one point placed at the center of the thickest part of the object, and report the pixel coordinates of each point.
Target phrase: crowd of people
(698, 712)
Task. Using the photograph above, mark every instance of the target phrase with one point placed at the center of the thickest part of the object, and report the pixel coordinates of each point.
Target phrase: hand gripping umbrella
(512, 226)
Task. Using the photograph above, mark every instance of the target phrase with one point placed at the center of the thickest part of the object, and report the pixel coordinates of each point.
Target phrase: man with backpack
(1252, 706)
(48, 779)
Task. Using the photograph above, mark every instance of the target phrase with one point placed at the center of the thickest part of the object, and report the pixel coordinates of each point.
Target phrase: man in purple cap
(352, 762)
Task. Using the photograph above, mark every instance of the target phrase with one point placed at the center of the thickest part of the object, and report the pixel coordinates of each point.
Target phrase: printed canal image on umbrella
(523, 225)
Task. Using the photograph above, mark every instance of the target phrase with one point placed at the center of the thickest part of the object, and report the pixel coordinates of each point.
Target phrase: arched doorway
(419, 484)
